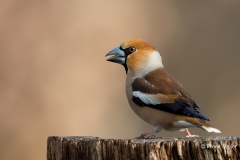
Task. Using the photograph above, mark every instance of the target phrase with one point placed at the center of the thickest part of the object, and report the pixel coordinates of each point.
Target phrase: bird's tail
(207, 127)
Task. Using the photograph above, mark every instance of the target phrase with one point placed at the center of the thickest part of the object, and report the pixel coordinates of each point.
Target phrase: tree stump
(94, 148)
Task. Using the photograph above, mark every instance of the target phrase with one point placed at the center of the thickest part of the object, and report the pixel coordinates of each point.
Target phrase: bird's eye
(131, 49)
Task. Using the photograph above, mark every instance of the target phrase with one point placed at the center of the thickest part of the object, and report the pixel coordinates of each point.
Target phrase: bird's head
(137, 56)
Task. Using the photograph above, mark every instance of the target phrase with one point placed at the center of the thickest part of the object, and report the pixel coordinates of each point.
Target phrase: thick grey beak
(118, 55)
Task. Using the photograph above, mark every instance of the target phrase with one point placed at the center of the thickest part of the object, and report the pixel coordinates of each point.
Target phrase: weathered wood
(91, 148)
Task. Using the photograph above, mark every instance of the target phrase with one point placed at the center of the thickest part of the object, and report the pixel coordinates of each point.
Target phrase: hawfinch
(153, 94)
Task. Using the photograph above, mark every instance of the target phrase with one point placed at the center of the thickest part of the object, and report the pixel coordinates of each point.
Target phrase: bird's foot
(188, 134)
(192, 135)
(146, 135)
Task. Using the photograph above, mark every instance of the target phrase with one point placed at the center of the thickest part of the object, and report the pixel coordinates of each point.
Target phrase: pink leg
(188, 134)
(146, 135)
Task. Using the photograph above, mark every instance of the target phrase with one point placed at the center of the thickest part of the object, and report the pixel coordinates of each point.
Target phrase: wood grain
(94, 148)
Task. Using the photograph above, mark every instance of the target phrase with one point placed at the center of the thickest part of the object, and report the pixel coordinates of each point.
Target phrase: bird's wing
(161, 91)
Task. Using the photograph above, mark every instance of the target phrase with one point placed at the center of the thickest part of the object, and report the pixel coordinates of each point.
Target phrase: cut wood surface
(94, 148)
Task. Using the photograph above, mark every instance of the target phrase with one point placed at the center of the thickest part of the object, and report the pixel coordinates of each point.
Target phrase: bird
(153, 94)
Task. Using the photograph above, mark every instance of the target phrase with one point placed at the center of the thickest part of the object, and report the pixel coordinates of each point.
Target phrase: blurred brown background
(54, 78)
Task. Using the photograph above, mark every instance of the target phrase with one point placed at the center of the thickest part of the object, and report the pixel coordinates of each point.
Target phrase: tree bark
(94, 148)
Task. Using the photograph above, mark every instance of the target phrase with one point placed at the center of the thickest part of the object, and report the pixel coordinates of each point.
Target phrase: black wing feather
(177, 108)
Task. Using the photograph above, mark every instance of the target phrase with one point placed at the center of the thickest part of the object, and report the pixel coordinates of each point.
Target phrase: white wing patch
(146, 98)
